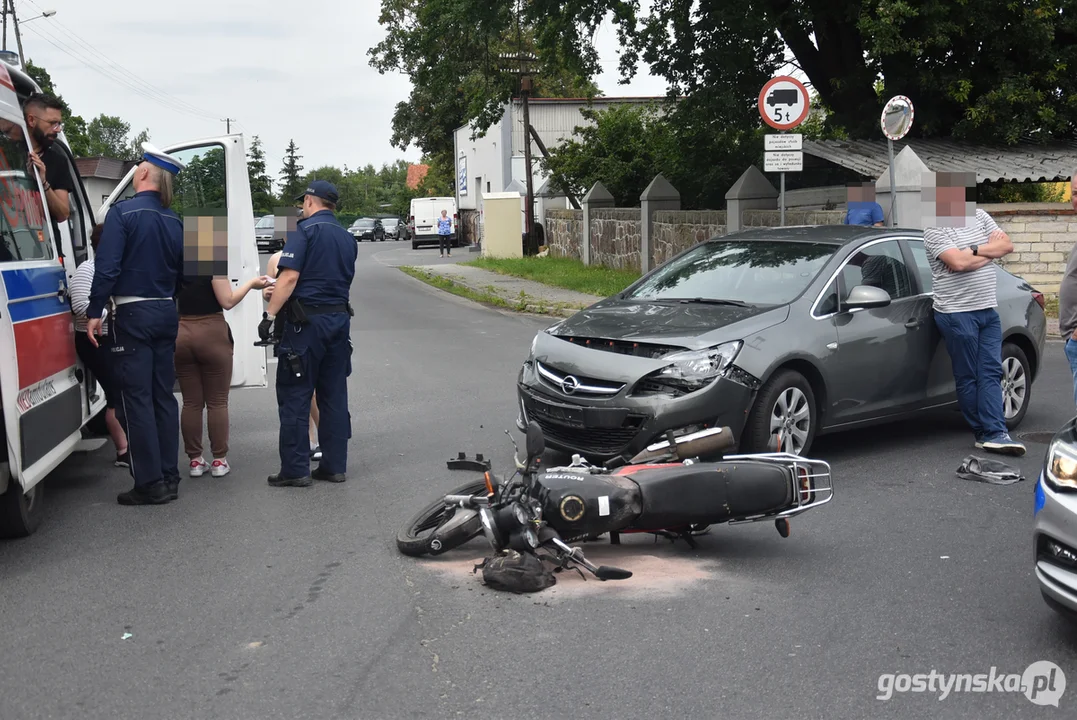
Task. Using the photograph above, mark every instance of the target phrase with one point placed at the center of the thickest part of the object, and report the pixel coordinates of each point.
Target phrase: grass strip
(488, 296)
(561, 272)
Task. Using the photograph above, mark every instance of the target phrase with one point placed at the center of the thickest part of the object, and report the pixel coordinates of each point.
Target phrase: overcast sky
(281, 69)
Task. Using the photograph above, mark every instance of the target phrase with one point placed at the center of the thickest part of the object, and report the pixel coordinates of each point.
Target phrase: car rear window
(757, 272)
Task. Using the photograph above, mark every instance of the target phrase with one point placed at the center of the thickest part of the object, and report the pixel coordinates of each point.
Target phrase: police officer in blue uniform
(139, 265)
(313, 316)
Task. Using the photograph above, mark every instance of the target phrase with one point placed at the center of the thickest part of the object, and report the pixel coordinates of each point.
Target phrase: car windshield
(364, 223)
(390, 222)
(754, 272)
(265, 222)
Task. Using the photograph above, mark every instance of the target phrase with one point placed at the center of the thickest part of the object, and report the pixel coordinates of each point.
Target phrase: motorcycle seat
(708, 493)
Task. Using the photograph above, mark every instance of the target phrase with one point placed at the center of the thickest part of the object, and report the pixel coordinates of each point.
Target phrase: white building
(492, 162)
(101, 175)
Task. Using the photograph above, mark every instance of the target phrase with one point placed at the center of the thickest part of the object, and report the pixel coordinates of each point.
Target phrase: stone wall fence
(564, 227)
(640, 239)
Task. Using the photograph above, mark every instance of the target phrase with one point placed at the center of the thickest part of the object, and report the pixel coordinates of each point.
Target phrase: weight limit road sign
(783, 103)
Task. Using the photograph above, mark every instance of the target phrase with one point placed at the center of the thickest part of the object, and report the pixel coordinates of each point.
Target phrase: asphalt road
(247, 601)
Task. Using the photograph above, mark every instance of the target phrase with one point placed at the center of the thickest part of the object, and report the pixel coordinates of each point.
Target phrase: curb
(525, 305)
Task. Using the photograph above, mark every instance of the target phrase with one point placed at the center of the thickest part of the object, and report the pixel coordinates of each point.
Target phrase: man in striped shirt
(962, 243)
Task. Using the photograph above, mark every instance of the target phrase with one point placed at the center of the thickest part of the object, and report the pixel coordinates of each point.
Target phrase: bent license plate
(561, 414)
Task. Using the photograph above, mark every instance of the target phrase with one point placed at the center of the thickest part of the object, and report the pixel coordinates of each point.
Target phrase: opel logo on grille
(570, 385)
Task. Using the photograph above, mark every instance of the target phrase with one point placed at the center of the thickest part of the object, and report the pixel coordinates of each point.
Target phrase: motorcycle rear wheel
(415, 538)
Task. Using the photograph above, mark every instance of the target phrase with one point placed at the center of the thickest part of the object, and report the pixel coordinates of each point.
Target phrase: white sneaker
(220, 468)
(199, 467)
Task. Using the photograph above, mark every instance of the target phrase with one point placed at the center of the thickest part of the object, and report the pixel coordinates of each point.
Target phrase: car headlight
(1061, 466)
(696, 369)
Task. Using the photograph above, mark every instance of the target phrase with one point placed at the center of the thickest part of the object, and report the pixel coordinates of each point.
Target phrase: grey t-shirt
(1067, 299)
(961, 291)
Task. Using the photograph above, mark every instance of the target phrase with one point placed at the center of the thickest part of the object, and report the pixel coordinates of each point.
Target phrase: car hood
(688, 325)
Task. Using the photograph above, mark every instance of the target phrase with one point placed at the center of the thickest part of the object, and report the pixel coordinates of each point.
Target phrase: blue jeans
(974, 341)
(1071, 355)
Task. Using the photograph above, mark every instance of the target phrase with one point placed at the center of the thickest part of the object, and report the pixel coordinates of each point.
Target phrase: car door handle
(911, 324)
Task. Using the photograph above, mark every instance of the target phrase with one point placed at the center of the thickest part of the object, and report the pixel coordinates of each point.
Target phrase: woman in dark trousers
(97, 359)
(444, 234)
(204, 351)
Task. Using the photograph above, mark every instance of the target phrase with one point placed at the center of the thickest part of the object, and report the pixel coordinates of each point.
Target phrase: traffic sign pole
(893, 187)
(784, 103)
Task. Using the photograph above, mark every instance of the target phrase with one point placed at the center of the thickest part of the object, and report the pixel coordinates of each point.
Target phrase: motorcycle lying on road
(664, 490)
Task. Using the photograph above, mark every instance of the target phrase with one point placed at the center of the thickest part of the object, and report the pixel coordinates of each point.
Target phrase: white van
(47, 395)
(423, 220)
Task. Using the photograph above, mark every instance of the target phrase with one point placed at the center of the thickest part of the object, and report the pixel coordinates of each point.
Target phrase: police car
(49, 401)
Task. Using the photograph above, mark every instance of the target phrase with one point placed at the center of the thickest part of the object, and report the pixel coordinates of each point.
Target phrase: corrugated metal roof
(1025, 162)
(103, 167)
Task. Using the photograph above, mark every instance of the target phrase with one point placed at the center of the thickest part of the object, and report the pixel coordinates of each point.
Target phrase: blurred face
(949, 199)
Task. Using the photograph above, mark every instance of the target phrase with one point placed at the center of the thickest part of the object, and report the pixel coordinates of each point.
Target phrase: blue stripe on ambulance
(29, 282)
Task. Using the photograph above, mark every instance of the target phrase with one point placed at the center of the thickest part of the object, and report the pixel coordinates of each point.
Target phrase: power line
(105, 72)
(119, 73)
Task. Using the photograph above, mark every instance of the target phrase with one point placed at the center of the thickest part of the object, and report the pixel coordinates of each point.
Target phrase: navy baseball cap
(321, 189)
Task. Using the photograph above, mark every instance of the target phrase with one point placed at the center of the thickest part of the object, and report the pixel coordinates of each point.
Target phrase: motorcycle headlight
(695, 369)
(1061, 467)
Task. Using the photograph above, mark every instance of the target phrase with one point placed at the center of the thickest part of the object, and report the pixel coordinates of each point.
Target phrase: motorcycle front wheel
(437, 529)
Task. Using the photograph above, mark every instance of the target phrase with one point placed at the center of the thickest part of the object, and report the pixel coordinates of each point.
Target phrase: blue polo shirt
(140, 253)
(324, 255)
(864, 212)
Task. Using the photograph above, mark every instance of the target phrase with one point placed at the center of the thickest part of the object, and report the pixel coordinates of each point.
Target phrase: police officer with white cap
(139, 265)
(310, 299)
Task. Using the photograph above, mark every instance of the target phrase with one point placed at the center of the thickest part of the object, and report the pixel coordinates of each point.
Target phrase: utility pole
(228, 124)
(5, 22)
(18, 35)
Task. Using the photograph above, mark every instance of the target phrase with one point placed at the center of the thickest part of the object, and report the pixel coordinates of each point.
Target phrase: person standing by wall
(962, 243)
(98, 359)
(444, 234)
(204, 355)
(861, 207)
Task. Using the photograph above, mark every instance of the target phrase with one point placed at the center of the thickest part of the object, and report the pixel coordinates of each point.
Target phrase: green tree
(292, 181)
(261, 184)
(74, 125)
(201, 186)
(456, 54)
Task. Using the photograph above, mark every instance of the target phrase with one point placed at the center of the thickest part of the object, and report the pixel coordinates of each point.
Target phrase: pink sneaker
(199, 467)
(220, 468)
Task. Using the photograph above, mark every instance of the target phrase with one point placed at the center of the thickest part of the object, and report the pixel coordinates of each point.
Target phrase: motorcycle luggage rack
(817, 471)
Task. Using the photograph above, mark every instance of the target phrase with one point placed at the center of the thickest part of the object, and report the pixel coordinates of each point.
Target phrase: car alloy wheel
(790, 419)
(1014, 387)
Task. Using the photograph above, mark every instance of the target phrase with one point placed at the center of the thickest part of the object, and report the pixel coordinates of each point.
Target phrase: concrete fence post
(659, 195)
(751, 191)
(909, 172)
(597, 197)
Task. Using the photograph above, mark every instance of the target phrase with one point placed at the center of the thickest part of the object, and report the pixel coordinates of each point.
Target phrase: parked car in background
(778, 333)
(395, 228)
(264, 235)
(367, 229)
(1054, 534)
(423, 222)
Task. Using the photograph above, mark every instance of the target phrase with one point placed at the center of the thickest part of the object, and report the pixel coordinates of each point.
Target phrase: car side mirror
(536, 442)
(866, 297)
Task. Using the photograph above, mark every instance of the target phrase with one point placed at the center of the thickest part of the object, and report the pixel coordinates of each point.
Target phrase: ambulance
(52, 406)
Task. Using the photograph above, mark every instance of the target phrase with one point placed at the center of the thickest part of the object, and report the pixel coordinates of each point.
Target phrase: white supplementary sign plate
(784, 161)
(791, 141)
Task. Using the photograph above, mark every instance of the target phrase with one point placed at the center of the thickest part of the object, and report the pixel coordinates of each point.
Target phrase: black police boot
(320, 474)
(154, 494)
(278, 480)
(173, 488)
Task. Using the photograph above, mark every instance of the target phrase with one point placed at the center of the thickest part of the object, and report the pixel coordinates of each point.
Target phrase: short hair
(325, 203)
(95, 236)
(42, 101)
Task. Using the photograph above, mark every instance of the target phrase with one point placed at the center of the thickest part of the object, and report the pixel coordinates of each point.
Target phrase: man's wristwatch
(975, 249)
